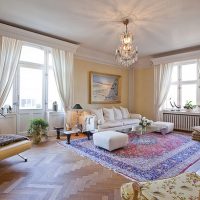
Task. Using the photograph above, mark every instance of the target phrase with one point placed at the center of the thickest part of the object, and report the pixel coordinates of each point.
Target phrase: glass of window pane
(53, 92)
(189, 93)
(175, 73)
(32, 54)
(30, 88)
(172, 96)
(189, 72)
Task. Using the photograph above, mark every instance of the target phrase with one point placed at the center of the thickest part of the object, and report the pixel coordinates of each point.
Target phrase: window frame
(45, 70)
(179, 83)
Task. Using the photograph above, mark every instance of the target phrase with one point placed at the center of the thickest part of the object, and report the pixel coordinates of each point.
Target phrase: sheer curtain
(10, 51)
(162, 80)
(63, 70)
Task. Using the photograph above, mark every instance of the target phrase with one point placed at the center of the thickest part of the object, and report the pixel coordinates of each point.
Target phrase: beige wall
(82, 69)
(144, 92)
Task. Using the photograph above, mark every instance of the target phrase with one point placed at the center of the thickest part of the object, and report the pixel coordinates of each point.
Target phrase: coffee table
(137, 129)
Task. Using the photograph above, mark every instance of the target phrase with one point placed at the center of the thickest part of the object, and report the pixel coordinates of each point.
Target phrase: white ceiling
(159, 25)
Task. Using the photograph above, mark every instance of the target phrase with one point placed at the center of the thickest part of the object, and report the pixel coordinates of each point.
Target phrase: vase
(143, 129)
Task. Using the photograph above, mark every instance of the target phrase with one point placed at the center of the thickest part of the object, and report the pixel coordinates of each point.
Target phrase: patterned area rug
(147, 157)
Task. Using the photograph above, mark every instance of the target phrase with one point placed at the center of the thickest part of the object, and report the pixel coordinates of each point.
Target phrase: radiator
(182, 121)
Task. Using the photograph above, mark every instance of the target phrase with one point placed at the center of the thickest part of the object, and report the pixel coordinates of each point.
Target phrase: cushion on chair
(184, 186)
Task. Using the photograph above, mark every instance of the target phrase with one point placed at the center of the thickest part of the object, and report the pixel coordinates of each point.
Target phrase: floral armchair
(185, 186)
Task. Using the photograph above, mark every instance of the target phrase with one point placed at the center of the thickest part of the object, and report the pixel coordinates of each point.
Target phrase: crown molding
(87, 54)
(28, 36)
(176, 57)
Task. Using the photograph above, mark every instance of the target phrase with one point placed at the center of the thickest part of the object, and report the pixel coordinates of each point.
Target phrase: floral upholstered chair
(185, 186)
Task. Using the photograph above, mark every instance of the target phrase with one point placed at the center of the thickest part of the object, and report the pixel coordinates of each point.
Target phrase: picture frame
(104, 88)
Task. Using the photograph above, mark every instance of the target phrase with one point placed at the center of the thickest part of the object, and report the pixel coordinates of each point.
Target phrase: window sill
(182, 112)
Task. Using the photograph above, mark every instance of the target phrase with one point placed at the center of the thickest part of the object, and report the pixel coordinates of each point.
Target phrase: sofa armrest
(135, 116)
(131, 191)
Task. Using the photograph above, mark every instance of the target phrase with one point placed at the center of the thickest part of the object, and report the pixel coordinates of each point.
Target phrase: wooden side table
(68, 134)
(58, 129)
(90, 133)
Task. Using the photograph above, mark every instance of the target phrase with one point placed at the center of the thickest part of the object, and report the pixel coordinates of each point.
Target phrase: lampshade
(77, 107)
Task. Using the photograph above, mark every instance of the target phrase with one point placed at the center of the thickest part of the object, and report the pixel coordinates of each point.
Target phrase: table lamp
(77, 107)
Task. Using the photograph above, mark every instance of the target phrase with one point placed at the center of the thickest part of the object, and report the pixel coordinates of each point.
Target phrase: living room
(114, 121)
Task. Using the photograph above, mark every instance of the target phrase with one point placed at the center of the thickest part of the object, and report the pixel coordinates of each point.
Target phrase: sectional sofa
(114, 118)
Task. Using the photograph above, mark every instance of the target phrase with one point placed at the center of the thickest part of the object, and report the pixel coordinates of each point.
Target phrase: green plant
(37, 129)
(189, 105)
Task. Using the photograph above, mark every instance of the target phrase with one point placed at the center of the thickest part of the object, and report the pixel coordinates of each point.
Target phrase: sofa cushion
(108, 114)
(117, 113)
(184, 186)
(111, 124)
(99, 115)
(130, 121)
(125, 113)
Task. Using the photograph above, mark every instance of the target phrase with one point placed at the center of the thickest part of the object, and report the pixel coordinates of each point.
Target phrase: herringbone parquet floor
(54, 172)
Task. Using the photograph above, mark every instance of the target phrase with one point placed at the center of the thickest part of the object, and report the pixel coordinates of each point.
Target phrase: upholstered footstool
(110, 140)
(165, 127)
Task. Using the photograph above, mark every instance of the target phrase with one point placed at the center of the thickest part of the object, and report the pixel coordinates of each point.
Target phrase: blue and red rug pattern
(147, 157)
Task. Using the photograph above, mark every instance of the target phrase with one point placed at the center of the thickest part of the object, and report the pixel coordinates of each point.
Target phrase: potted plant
(38, 129)
(189, 106)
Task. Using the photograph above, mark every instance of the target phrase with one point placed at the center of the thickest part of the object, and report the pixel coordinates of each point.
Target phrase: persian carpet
(147, 157)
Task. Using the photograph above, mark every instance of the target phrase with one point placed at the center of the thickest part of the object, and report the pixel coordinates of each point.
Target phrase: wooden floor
(54, 172)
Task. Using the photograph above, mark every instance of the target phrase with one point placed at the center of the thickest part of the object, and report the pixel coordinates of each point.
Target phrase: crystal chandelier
(126, 54)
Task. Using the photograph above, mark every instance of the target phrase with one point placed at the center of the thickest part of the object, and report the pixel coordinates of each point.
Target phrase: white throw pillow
(117, 113)
(125, 113)
(99, 114)
(108, 114)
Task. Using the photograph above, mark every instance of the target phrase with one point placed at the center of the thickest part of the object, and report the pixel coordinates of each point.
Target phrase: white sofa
(114, 118)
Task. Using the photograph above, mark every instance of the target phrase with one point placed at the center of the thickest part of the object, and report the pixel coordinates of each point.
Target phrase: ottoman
(110, 140)
(165, 127)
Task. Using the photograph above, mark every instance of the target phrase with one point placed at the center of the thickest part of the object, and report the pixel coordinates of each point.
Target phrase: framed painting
(104, 88)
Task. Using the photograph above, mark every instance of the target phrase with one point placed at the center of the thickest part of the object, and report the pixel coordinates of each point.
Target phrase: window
(34, 82)
(30, 89)
(184, 84)
(32, 54)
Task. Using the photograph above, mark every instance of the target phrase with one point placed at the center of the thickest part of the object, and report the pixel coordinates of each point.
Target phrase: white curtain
(162, 80)
(10, 51)
(63, 70)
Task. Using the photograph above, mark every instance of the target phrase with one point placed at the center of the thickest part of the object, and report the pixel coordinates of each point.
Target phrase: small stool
(165, 127)
(110, 140)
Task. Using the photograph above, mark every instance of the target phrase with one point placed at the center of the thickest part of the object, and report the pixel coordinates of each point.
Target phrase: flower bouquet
(144, 122)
